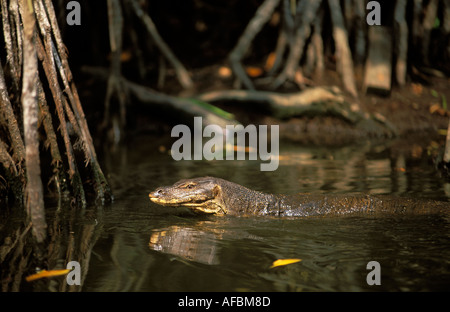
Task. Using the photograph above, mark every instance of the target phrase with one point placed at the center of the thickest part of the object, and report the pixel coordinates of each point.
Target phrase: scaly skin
(217, 196)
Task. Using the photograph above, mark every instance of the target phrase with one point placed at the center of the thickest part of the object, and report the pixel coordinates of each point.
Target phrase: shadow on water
(135, 245)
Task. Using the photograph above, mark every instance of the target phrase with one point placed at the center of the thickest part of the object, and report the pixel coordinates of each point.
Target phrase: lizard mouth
(203, 205)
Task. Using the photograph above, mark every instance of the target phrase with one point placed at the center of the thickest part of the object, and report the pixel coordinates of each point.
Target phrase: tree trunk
(317, 42)
(34, 191)
(417, 29)
(360, 34)
(447, 146)
(343, 53)
(401, 33)
(428, 23)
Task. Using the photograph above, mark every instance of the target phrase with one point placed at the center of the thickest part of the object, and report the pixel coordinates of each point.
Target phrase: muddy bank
(416, 110)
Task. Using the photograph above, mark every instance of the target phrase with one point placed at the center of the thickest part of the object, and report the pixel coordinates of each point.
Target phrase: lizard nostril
(157, 193)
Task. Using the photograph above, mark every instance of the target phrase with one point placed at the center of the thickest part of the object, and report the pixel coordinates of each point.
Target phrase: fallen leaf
(126, 56)
(434, 144)
(253, 71)
(281, 262)
(270, 61)
(417, 88)
(162, 149)
(45, 273)
(434, 108)
(224, 72)
(416, 151)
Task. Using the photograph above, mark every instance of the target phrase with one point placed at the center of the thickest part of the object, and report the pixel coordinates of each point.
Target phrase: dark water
(135, 245)
(143, 246)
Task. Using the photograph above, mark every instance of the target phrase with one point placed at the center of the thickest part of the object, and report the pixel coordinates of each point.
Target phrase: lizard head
(201, 195)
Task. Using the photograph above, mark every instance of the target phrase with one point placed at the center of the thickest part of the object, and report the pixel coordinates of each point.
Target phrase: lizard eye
(190, 185)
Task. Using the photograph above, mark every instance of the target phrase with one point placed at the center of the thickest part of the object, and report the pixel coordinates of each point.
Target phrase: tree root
(312, 101)
(181, 72)
(209, 113)
(306, 11)
(261, 17)
(295, 33)
(401, 28)
(18, 155)
(114, 84)
(318, 101)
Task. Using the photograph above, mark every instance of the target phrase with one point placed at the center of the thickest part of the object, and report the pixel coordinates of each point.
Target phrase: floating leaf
(281, 262)
(45, 273)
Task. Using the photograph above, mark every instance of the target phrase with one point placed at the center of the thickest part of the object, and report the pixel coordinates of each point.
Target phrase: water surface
(135, 245)
(145, 247)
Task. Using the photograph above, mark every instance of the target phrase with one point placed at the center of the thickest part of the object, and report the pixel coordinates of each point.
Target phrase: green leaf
(437, 23)
(214, 109)
(434, 93)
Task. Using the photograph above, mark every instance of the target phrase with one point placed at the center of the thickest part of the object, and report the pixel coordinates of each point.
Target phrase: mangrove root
(30, 119)
(318, 101)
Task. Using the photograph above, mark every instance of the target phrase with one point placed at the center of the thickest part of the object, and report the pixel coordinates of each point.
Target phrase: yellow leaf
(281, 262)
(45, 273)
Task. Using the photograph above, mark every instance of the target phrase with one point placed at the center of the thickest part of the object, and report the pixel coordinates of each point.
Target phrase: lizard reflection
(200, 242)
